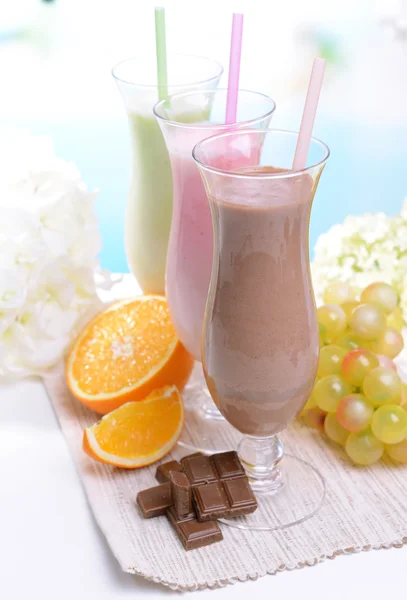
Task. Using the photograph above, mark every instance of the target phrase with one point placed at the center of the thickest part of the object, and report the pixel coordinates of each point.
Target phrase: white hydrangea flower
(362, 250)
(49, 242)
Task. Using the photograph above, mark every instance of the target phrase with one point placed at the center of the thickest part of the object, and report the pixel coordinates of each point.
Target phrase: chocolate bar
(174, 499)
(155, 501)
(162, 473)
(197, 491)
(219, 485)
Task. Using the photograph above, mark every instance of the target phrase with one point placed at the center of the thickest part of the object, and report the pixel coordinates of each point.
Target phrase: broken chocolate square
(172, 515)
(181, 493)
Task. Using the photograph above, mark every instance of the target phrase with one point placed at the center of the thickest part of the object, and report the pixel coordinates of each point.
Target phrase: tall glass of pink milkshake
(186, 119)
(260, 334)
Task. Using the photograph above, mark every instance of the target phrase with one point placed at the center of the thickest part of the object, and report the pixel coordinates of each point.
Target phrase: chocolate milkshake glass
(260, 334)
(186, 119)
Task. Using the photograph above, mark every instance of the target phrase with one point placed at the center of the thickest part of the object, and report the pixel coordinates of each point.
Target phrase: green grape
(398, 452)
(366, 344)
(330, 360)
(315, 418)
(357, 364)
(390, 343)
(382, 386)
(363, 448)
(348, 307)
(367, 321)
(338, 292)
(333, 318)
(348, 341)
(354, 412)
(395, 319)
(381, 295)
(328, 392)
(334, 430)
(389, 424)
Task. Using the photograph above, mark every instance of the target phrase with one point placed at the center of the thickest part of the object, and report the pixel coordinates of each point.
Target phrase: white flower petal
(49, 241)
(362, 250)
(13, 290)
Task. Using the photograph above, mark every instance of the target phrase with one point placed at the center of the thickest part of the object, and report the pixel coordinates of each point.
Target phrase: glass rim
(149, 86)
(280, 175)
(211, 125)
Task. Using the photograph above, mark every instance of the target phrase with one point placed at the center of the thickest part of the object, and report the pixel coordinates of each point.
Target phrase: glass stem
(260, 458)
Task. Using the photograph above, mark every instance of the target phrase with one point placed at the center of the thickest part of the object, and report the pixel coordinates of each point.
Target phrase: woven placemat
(364, 508)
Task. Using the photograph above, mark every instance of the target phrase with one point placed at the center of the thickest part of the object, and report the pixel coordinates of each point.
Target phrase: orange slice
(138, 433)
(126, 352)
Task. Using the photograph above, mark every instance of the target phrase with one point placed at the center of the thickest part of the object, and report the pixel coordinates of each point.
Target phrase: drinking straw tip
(234, 67)
(161, 52)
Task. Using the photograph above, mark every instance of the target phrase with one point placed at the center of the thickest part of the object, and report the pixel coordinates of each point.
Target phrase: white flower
(362, 250)
(49, 242)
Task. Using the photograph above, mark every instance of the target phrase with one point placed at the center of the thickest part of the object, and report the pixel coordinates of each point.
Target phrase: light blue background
(367, 172)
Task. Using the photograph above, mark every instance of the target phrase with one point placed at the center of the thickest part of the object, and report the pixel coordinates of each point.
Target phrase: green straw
(161, 51)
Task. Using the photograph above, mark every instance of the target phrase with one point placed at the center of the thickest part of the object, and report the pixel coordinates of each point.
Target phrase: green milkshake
(149, 207)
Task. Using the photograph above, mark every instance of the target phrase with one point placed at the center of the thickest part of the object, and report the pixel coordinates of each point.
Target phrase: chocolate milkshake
(260, 345)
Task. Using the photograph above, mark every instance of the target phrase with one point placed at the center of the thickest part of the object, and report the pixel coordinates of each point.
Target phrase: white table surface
(51, 548)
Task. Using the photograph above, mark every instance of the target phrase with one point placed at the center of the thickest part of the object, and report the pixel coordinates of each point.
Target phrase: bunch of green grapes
(359, 400)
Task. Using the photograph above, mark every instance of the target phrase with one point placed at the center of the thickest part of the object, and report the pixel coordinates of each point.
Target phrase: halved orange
(126, 352)
(138, 433)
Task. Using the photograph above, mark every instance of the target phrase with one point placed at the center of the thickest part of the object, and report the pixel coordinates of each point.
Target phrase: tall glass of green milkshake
(149, 205)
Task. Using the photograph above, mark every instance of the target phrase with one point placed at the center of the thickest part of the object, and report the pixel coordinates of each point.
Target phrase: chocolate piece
(155, 501)
(228, 465)
(162, 473)
(230, 496)
(199, 469)
(181, 493)
(217, 486)
(241, 498)
(194, 534)
(171, 514)
(210, 501)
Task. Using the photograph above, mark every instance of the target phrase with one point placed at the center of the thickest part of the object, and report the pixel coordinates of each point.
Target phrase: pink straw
(234, 67)
(308, 116)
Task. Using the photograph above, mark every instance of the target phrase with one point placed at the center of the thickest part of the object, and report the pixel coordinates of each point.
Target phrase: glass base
(205, 429)
(294, 494)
